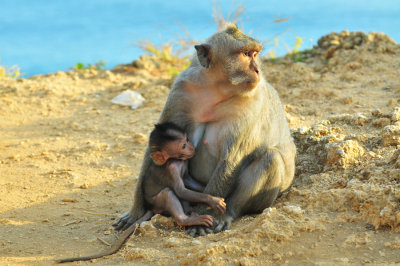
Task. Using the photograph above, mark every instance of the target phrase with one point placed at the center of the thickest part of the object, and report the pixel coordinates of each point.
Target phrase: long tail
(116, 246)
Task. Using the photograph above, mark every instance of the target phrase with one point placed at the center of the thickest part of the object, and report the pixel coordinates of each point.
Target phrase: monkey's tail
(116, 246)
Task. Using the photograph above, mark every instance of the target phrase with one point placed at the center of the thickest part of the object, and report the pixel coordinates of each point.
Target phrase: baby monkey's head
(169, 141)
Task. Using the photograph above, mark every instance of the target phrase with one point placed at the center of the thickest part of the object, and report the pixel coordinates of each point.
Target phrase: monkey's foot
(219, 225)
(223, 223)
(124, 222)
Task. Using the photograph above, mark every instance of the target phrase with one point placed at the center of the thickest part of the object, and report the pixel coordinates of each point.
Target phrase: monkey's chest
(212, 140)
(207, 153)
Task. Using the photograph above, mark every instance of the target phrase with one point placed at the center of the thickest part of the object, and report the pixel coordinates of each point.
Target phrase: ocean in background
(43, 36)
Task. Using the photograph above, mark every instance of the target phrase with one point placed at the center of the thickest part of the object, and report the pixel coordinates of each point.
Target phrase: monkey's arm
(217, 203)
(222, 180)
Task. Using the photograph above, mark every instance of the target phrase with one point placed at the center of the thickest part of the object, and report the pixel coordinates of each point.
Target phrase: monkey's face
(232, 56)
(180, 149)
(242, 69)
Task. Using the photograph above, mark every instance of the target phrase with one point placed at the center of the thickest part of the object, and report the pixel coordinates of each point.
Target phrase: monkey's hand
(217, 203)
(124, 222)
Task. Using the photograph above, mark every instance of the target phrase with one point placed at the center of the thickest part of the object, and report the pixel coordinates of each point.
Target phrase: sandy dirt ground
(69, 161)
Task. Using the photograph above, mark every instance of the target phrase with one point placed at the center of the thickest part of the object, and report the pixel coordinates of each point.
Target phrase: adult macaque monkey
(244, 150)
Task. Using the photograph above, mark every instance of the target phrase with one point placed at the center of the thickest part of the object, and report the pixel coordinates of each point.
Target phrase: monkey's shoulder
(162, 175)
(176, 167)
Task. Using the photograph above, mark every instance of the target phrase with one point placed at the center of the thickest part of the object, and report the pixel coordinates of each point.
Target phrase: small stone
(84, 186)
(140, 138)
(294, 210)
(15, 157)
(277, 257)
(303, 130)
(396, 114)
(172, 242)
(348, 100)
(196, 242)
(69, 200)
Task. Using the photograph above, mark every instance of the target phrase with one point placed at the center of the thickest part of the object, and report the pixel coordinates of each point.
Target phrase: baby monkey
(164, 184)
(167, 179)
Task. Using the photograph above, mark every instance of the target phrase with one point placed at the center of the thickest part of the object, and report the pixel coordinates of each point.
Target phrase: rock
(391, 135)
(196, 242)
(395, 159)
(358, 119)
(396, 114)
(293, 210)
(376, 42)
(140, 138)
(172, 242)
(277, 257)
(303, 130)
(358, 239)
(84, 186)
(147, 254)
(348, 100)
(344, 153)
(162, 221)
(381, 122)
(393, 245)
(147, 229)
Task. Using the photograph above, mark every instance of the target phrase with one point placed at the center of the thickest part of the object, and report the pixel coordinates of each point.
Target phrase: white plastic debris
(129, 98)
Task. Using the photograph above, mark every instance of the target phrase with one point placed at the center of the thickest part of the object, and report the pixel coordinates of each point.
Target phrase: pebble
(84, 186)
(277, 257)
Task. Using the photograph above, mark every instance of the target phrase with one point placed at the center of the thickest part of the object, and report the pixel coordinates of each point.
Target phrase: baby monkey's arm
(175, 168)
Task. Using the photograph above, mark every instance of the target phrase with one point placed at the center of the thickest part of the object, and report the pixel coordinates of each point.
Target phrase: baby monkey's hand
(218, 204)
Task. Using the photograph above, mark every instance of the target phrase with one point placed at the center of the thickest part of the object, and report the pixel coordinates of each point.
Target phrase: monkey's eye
(184, 146)
(250, 53)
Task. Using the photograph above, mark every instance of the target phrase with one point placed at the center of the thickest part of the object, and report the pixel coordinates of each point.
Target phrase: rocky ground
(69, 159)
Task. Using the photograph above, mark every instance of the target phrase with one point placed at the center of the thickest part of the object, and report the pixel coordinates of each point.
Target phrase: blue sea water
(44, 36)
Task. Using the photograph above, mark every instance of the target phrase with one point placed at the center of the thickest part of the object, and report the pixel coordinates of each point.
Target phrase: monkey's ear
(204, 54)
(159, 158)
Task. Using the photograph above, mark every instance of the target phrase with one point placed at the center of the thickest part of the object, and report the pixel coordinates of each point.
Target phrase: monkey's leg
(258, 185)
(167, 201)
(257, 188)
